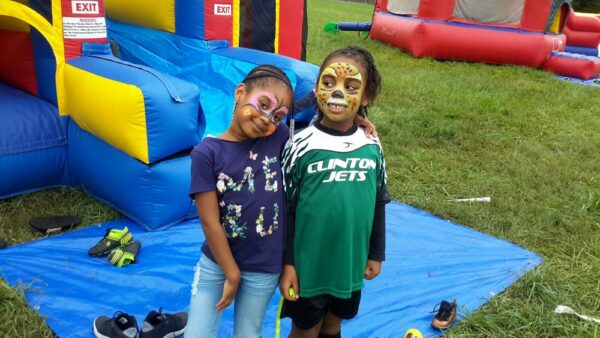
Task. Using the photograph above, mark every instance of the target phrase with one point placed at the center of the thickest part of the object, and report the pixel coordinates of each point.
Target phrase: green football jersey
(333, 182)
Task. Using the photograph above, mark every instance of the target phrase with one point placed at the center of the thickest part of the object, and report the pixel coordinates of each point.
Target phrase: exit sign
(222, 9)
(85, 7)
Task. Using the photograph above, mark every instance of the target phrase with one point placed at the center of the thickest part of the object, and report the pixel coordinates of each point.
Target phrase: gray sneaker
(163, 325)
(121, 325)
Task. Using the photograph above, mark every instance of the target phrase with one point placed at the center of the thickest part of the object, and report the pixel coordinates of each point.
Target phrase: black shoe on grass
(163, 325)
(445, 316)
(121, 325)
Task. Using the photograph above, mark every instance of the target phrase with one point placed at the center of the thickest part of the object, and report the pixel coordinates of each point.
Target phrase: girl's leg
(251, 301)
(313, 332)
(207, 289)
(331, 327)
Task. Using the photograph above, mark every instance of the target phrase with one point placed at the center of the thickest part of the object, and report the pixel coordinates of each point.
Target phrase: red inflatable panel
(463, 42)
(584, 39)
(583, 23)
(582, 68)
(290, 37)
(396, 31)
(535, 15)
(17, 63)
(436, 10)
(218, 27)
(381, 5)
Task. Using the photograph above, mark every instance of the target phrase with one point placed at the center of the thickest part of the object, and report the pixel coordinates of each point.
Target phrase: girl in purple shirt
(237, 187)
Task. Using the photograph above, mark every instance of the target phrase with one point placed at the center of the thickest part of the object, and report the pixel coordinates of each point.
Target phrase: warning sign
(84, 28)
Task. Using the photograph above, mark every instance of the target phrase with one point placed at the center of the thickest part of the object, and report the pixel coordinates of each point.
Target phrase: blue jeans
(250, 304)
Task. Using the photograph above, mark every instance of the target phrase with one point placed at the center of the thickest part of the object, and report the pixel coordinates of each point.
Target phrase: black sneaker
(445, 315)
(121, 325)
(113, 238)
(163, 325)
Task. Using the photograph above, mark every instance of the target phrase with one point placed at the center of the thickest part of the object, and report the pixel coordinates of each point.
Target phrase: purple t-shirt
(247, 178)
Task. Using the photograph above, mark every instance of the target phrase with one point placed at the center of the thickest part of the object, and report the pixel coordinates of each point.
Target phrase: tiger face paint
(340, 91)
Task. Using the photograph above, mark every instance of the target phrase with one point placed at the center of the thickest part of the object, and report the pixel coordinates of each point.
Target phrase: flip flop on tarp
(51, 224)
(3, 244)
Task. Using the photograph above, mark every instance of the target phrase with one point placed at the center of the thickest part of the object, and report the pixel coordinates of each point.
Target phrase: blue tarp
(592, 82)
(428, 259)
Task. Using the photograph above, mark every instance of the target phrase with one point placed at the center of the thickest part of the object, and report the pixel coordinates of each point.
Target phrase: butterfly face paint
(266, 104)
(340, 91)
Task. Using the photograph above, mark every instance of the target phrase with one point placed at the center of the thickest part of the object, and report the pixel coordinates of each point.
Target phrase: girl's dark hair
(365, 58)
(263, 74)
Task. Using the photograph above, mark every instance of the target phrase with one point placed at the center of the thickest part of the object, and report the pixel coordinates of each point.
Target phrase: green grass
(450, 130)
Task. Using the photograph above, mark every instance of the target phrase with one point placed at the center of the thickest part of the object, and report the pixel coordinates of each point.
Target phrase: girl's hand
(373, 269)
(288, 282)
(364, 122)
(229, 291)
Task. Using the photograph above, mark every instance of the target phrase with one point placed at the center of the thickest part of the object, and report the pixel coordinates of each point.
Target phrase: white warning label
(84, 28)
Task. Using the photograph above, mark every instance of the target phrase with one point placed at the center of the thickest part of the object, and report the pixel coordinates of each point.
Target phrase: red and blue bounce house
(518, 32)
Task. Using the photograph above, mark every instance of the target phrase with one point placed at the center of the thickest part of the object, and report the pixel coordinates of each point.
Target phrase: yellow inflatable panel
(156, 14)
(555, 28)
(111, 110)
(235, 39)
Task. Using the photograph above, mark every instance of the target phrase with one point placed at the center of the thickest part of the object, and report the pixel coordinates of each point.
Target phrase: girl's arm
(364, 122)
(289, 278)
(377, 242)
(208, 211)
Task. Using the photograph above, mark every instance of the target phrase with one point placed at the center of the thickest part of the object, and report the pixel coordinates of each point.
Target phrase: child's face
(341, 89)
(261, 110)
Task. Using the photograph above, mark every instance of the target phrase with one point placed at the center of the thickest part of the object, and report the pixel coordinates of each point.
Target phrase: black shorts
(308, 312)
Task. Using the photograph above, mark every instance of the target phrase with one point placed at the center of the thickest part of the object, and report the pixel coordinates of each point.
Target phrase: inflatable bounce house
(518, 32)
(583, 34)
(73, 114)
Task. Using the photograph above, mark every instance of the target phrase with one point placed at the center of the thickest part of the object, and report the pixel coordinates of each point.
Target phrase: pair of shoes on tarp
(119, 245)
(156, 325)
(446, 313)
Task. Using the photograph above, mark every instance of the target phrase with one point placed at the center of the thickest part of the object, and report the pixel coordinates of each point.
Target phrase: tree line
(591, 6)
